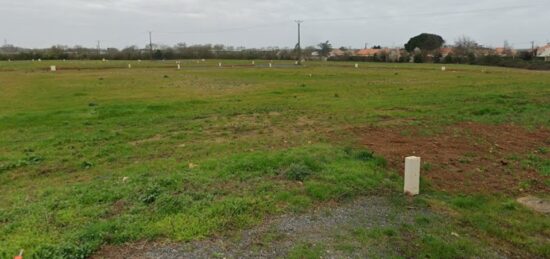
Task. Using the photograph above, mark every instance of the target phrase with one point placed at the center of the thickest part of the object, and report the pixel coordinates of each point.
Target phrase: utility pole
(151, 44)
(299, 22)
(98, 49)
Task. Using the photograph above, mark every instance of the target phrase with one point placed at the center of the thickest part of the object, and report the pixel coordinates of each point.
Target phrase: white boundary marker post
(53, 68)
(179, 66)
(129, 65)
(412, 175)
(220, 64)
(270, 65)
(356, 65)
(253, 62)
(443, 69)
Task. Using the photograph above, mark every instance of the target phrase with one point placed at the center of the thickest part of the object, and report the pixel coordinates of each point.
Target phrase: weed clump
(151, 194)
(297, 172)
(29, 159)
(66, 251)
(86, 165)
(365, 155)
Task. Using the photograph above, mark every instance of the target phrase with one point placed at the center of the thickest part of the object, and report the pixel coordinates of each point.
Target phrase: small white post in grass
(39, 60)
(179, 66)
(220, 64)
(443, 69)
(33, 60)
(412, 175)
(203, 60)
(356, 65)
(270, 65)
(129, 65)
(253, 62)
(53, 68)
(103, 60)
(296, 63)
(139, 60)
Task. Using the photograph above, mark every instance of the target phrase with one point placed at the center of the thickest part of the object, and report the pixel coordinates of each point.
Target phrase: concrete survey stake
(412, 175)
(53, 68)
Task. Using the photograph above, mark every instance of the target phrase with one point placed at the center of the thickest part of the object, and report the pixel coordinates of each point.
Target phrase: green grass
(102, 156)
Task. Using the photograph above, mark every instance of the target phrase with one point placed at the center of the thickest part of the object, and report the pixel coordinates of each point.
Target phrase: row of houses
(395, 53)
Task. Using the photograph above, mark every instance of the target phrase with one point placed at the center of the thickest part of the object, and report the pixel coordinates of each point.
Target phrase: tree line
(179, 51)
(423, 48)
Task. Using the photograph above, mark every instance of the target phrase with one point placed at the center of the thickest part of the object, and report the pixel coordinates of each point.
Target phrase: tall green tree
(325, 48)
(425, 42)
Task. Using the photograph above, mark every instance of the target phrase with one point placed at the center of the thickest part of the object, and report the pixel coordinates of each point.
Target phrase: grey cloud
(256, 23)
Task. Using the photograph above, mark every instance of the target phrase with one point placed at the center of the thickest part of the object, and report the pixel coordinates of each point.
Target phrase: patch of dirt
(117, 208)
(147, 140)
(467, 157)
(278, 236)
(536, 204)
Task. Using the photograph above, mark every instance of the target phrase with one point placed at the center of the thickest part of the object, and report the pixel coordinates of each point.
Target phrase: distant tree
(306, 53)
(425, 42)
(448, 59)
(465, 46)
(418, 58)
(377, 47)
(508, 49)
(157, 54)
(526, 55)
(325, 48)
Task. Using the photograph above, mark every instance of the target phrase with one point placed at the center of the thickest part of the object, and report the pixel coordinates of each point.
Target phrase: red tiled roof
(368, 52)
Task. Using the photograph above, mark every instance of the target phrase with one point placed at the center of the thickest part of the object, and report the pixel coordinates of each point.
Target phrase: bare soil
(465, 158)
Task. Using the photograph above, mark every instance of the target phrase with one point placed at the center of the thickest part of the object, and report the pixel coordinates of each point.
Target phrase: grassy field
(98, 154)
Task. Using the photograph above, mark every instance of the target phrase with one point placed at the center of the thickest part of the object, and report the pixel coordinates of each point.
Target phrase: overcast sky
(264, 23)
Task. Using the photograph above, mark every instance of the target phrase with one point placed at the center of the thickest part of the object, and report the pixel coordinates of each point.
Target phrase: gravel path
(278, 236)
